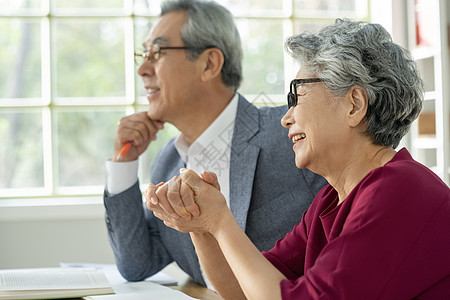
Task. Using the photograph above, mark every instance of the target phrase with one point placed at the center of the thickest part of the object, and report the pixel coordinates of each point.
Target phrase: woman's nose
(287, 120)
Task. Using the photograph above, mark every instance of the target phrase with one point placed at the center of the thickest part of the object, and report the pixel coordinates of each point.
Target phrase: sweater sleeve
(289, 254)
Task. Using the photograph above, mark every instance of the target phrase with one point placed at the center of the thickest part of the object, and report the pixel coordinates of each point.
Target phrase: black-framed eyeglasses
(292, 96)
(154, 53)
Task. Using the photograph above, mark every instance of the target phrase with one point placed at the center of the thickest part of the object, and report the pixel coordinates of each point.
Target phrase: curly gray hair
(353, 53)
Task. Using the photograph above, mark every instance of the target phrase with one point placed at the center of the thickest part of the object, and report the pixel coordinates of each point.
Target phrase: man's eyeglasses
(292, 96)
(154, 53)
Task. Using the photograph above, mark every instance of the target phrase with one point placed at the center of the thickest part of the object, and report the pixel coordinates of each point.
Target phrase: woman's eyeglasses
(292, 96)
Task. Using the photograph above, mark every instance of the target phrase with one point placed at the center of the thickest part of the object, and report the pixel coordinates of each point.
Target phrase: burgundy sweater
(389, 239)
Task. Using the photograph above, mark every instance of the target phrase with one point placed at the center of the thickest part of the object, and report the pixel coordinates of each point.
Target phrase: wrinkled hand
(174, 198)
(138, 129)
(174, 201)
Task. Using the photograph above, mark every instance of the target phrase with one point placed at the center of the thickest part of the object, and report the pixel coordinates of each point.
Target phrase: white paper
(51, 279)
(147, 296)
(150, 289)
(114, 277)
(143, 290)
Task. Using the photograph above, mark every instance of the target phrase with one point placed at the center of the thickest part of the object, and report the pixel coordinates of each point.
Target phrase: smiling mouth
(298, 137)
(152, 91)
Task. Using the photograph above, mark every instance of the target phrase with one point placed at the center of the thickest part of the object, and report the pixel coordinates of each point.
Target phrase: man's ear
(358, 103)
(213, 60)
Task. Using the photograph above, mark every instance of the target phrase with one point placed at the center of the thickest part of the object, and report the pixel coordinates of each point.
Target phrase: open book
(49, 283)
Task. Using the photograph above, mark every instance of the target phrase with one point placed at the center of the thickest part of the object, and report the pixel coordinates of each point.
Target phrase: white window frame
(52, 202)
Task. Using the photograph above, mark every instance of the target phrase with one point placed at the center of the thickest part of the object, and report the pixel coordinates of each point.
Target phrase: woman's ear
(213, 62)
(358, 104)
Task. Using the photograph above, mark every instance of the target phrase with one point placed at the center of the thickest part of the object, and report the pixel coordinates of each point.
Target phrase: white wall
(44, 235)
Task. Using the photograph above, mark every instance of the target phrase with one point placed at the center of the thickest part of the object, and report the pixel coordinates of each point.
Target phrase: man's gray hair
(210, 24)
(351, 53)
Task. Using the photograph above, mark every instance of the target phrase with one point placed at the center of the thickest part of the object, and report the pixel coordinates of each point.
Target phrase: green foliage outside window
(66, 79)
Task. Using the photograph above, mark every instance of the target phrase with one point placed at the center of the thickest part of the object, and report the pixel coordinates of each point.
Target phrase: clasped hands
(188, 203)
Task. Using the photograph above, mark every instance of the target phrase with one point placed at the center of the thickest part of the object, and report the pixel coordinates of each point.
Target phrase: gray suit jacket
(268, 195)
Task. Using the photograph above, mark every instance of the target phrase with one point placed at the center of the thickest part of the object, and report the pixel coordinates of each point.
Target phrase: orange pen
(124, 150)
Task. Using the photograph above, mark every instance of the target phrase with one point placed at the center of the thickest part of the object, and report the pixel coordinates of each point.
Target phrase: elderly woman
(380, 229)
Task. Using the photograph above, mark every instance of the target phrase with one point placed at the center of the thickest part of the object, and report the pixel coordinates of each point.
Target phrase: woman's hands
(188, 203)
(219, 241)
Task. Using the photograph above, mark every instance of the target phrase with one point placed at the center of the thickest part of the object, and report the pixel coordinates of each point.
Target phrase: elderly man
(191, 70)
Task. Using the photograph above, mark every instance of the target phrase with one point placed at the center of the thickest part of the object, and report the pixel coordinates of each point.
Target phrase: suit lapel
(244, 157)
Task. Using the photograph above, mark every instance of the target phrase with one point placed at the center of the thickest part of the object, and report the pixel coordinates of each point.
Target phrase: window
(67, 76)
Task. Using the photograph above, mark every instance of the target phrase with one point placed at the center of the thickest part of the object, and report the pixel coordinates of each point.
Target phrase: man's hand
(138, 129)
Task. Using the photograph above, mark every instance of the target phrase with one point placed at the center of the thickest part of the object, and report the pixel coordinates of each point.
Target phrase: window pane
(89, 4)
(147, 7)
(20, 58)
(321, 5)
(11, 7)
(330, 8)
(90, 58)
(89, 74)
(310, 26)
(263, 56)
(253, 7)
(21, 154)
(84, 140)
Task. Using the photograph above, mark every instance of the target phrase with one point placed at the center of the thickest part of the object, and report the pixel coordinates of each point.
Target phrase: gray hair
(351, 53)
(210, 24)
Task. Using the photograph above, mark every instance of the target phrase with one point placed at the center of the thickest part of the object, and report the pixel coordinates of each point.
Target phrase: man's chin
(155, 116)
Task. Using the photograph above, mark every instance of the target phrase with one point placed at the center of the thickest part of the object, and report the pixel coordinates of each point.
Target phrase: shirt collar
(221, 129)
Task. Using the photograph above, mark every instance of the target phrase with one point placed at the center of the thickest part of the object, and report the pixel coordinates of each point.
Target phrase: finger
(152, 126)
(156, 126)
(211, 178)
(187, 196)
(155, 208)
(178, 224)
(168, 220)
(161, 194)
(150, 195)
(138, 129)
(174, 197)
(160, 214)
(192, 179)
